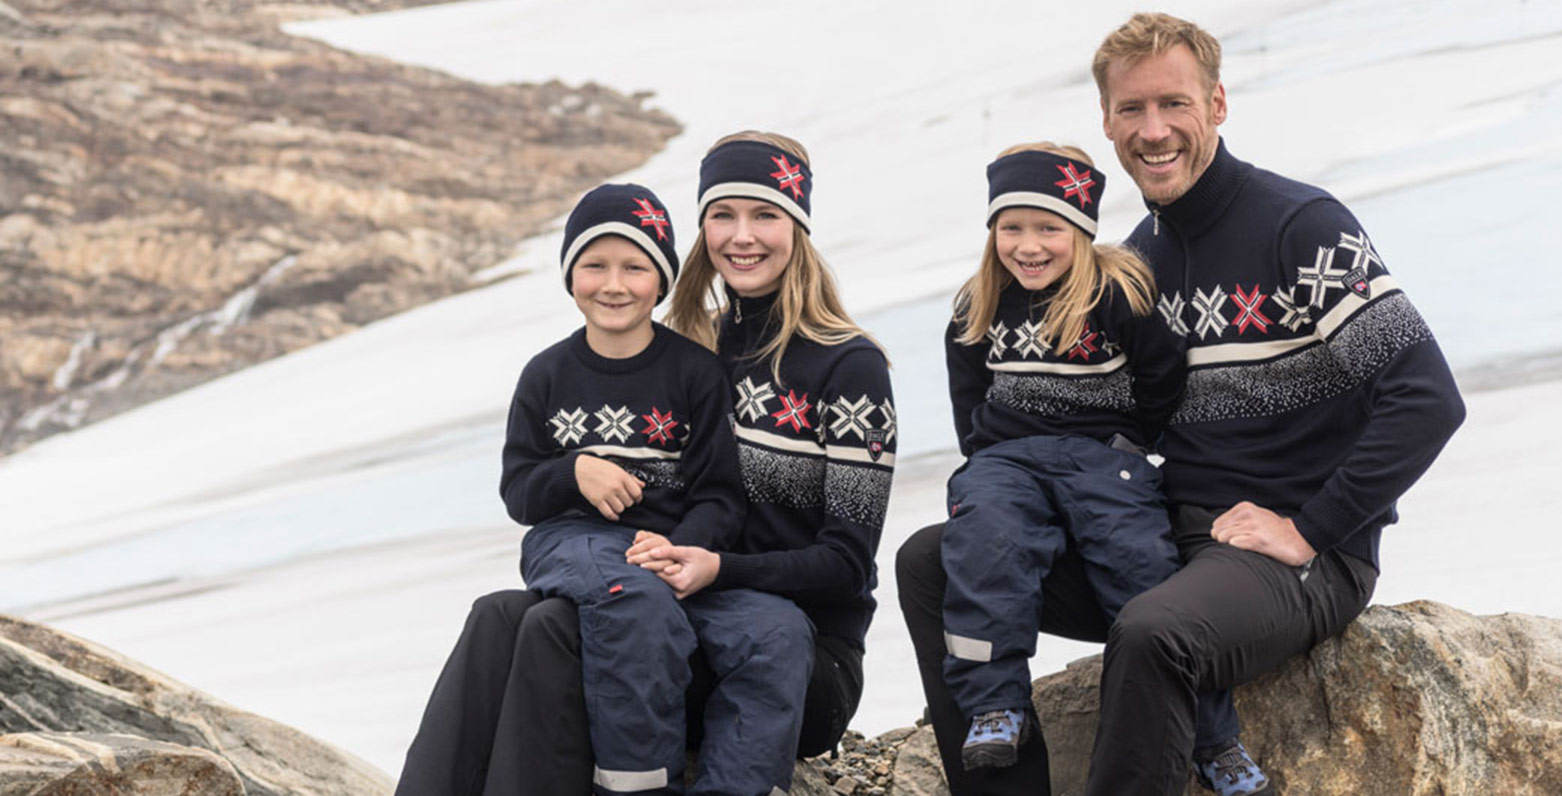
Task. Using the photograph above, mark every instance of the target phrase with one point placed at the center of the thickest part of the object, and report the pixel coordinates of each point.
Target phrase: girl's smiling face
(1035, 246)
(750, 243)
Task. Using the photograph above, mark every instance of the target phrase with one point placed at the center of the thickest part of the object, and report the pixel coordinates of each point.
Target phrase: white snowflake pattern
(887, 411)
(996, 333)
(1171, 309)
(1365, 255)
(1031, 339)
(1295, 317)
(752, 398)
(568, 427)
(613, 424)
(1208, 306)
(851, 417)
(1321, 276)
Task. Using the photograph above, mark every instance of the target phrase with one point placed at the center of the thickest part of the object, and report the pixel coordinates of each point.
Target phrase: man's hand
(692, 568)
(640, 552)
(606, 486)
(1256, 528)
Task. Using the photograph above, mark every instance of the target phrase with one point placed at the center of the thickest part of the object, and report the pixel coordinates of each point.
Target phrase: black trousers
(508, 715)
(508, 712)
(1227, 617)
(1069, 609)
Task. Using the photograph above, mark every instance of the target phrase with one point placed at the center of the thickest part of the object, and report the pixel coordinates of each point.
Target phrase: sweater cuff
(736, 571)
(1323, 527)
(562, 480)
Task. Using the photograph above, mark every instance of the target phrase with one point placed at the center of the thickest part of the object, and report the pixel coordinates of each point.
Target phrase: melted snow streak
(1050, 395)
(1314, 374)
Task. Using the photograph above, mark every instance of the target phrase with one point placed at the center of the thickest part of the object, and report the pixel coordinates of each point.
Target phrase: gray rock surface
(76, 764)
(1412, 700)
(52, 682)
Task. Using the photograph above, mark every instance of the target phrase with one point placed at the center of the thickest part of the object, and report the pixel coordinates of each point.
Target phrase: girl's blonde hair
(1096, 265)
(807, 303)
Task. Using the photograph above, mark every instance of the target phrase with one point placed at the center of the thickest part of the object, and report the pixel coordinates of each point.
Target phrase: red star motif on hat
(793, 411)
(659, 427)
(651, 217)
(789, 175)
(1075, 184)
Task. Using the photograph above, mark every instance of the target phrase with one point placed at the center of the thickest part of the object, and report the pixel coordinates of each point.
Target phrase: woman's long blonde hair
(1096, 265)
(807, 303)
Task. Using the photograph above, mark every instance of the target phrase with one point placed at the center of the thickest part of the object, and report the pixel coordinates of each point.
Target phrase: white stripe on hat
(750, 190)
(635, 235)
(1043, 201)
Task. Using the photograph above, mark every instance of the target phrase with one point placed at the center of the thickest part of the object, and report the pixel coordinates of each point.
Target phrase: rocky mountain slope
(186, 190)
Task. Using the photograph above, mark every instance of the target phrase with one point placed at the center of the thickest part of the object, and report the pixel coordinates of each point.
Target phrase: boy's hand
(606, 486)
(691, 568)
(640, 552)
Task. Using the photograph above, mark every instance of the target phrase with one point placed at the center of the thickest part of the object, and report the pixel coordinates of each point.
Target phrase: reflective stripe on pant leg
(630, 781)
(968, 649)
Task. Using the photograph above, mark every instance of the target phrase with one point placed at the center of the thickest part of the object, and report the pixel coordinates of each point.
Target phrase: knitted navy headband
(1061, 185)
(755, 170)
(629, 211)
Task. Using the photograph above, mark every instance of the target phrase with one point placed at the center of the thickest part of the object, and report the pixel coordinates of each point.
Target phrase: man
(1316, 396)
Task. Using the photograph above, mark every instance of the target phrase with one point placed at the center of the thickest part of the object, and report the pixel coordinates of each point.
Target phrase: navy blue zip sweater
(817, 451)
(1122, 376)
(664, 415)
(1315, 389)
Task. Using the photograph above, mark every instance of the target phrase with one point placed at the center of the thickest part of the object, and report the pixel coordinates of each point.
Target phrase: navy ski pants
(1014, 508)
(635, 644)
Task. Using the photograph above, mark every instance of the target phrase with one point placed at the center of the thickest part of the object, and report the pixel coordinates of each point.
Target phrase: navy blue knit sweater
(817, 451)
(664, 415)
(1122, 376)
(1314, 388)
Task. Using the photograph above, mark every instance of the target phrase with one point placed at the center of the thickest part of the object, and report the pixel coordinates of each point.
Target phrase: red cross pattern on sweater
(1085, 345)
(794, 411)
(1075, 184)
(789, 176)
(1250, 301)
(659, 427)
(651, 217)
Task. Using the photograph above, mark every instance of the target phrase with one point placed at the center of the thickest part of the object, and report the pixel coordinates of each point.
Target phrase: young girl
(815, 428)
(1060, 379)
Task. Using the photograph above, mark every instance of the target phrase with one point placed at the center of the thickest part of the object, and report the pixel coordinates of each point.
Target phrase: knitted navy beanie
(756, 170)
(1042, 180)
(629, 211)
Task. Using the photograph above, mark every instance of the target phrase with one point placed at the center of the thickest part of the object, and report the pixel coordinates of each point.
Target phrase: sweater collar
(1209, 198)
(602, 364)
(746, 311)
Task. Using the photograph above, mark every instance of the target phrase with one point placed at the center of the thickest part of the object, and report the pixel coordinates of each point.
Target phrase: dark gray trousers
(1227, 617)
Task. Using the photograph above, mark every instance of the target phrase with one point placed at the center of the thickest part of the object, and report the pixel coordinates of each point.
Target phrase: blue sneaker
(994, 740)
(1232, 772)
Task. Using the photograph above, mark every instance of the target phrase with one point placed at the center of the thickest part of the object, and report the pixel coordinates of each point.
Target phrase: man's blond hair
(1148, 34)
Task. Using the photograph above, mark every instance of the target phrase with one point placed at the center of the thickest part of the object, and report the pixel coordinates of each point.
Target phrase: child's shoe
(1232, 772)
(994, 740)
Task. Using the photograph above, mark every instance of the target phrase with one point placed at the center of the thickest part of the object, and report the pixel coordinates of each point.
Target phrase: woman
(815, 422)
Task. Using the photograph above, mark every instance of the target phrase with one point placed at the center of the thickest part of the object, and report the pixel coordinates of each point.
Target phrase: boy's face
(615, 286)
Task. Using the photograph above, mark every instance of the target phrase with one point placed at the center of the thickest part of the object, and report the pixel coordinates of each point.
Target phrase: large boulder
(1412, 700)
(67, 764)
(52, 682)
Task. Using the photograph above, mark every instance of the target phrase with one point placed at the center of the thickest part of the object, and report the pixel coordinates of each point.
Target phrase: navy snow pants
(760, 649)
(1014, 508)
(635, 645)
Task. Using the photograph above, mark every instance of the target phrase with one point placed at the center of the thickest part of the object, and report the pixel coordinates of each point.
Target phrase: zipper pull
(1157, 215)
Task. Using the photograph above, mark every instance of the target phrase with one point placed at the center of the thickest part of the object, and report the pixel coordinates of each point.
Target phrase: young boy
(623, 427)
